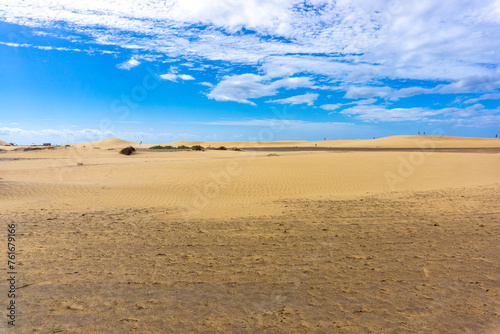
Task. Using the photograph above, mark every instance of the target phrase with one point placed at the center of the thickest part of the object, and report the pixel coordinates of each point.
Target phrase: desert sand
(255, 241)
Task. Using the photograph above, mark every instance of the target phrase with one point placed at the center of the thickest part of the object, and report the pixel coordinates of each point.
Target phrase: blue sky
(161, 71)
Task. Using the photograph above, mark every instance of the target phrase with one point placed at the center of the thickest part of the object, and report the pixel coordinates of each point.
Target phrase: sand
(240, 241)
(386, 142)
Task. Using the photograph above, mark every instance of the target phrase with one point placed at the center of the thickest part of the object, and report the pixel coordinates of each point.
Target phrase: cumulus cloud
(185, 77)
(169, 77)
(174, 77)
(308, 99)
(331, 106)
(241, 88)
(131, 63)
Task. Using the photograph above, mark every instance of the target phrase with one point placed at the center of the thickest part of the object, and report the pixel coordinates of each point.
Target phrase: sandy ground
(228, 241)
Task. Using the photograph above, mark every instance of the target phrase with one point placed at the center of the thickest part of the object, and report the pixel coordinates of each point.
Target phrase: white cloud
(410, 91)
(169, 77)
(338, 105)
(131, 63)
(294, 82)
(357, 44)
(208, 84)
(85, 133)
(493, 96)
(469, 116)
(382, 114)
(308, 99)
(331, 106)
(241, 88)
(472, 84)
(185, 77)
(355, 92)
(367, 101)
(50, 48)
(174, 77)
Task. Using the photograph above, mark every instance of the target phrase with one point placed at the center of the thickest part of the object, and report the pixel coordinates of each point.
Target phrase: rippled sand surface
(251, 241)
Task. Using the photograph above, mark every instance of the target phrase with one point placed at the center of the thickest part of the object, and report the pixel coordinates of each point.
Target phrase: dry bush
(197, 148)
(128, 150)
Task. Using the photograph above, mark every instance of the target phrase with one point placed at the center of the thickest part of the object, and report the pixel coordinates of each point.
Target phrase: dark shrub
(197, 148)
(128, 150)
(183, 147)
(159, 147)
(222, 148)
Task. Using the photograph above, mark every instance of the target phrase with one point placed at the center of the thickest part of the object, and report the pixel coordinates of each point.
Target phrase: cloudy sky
(161, 71)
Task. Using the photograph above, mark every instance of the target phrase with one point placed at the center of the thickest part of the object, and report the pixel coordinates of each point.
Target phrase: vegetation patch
(197, 148)
(127, 150)
(169, 147)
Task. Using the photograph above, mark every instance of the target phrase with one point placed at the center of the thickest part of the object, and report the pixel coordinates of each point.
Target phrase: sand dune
(424, 262)
(108, 143)
(2, 143)
(225, 183)
(424, 142)
(240, 144)
(240, 241)
(386, 142)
